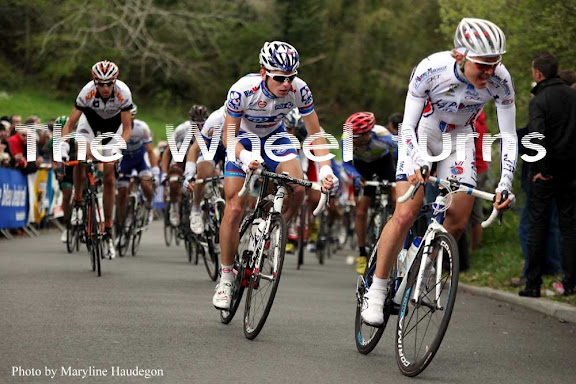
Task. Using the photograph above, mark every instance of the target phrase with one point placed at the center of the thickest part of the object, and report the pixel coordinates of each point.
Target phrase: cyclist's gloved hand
(506, 204)
(65, 151)
(250, 160)
(358, 182)
(328, 183)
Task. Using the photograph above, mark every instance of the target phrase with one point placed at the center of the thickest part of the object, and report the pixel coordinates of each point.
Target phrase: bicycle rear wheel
(301, 239)
(240, 262)
(367, 336)
(422, 323)
(265, 277)
(211, 259)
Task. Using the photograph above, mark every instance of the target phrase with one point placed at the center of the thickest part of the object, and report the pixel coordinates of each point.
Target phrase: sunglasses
(485, 65)
(282, 78)
(102, 84)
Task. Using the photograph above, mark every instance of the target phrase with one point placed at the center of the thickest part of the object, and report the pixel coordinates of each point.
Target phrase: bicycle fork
(417, 298)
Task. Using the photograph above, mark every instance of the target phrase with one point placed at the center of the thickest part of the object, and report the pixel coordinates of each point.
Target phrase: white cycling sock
(195, 208)
(226, 274)
(379, 284)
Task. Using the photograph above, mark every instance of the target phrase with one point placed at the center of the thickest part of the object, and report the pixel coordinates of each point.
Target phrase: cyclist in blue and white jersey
(102, 106)
(134, 159)
(170, 168)
(257, 104)
(198, 166)
(371, 156)
(446, 93)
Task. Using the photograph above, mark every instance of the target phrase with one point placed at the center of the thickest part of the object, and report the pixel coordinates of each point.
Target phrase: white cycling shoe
(223, 295)
(373, 307)
(64, 237)
(196, 223)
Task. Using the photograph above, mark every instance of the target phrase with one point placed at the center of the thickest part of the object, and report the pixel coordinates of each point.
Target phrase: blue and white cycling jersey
(441, 101)
(262, 112)
(139, 137)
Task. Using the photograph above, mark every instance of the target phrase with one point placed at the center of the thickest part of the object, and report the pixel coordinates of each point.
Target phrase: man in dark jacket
(552, 114)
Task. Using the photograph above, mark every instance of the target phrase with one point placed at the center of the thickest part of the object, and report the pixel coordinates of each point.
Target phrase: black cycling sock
(363, 251)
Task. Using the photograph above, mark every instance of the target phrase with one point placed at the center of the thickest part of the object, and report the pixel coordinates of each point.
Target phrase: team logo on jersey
(451, 89)
(428, 109)
(430, 72)
(96, 104)
(287, 105)
(499, 82)
(306, 95)
(234, 100)
(90, 95)
(119, 97)
(252, 91)
(262, 104)
(508, 101)
(445, 127)
(457, 168)
(261, 119)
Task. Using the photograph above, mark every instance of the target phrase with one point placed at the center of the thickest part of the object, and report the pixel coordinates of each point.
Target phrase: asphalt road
(154, 312)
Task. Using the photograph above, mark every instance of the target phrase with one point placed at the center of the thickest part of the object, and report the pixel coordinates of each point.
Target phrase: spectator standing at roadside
(16, 120)
(4, 146)
(553, 115)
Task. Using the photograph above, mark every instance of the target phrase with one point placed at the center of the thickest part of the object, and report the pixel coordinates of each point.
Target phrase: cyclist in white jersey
(102, 107)
(447, 91)
(258, 103)
(198, 165)
(134, 159)
(170, 168)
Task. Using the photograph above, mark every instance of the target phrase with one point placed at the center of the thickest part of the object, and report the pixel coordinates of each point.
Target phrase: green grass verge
(499, 259)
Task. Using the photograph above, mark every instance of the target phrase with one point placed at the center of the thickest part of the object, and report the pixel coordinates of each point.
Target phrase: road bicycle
(136, 220)
(422, 286)
(213, 210)
(380, 209)
(93, 218)
(260, 256)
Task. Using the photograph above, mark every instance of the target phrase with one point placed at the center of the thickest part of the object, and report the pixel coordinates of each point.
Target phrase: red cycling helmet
(361, 122)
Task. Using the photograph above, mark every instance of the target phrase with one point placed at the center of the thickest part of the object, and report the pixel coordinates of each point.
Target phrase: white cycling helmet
(279, 56)
(105, 71)
(480, 38)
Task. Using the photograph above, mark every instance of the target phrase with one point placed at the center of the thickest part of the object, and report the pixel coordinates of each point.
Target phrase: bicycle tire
(272, 269)
(211, 260)
(412, 364)
(240, 260)
(168, 230)
(141, 220)
(71, 238)
(301, 240)
(366, 336)
(127, 230)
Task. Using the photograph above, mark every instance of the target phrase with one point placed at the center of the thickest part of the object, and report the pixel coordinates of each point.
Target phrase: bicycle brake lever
(503, 197)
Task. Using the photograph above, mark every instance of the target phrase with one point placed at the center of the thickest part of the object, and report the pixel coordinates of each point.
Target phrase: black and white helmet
(279, 56)
(480, 38)
(198, 113)
(105, 71)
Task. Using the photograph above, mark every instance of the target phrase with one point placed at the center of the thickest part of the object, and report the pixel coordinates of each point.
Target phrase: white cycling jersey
(216, 119)
(139, 137)
(440, 101)
(262, 112)
(180, 133)
(103, 115)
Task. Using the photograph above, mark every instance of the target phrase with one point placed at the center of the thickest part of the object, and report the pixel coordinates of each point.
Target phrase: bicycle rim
(264, 282)
(367, 336)
(71, 238)
(141, 219)
(421, 327)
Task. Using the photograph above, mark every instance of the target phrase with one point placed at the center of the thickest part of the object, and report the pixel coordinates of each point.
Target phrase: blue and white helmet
(279, 56)
(294, 119)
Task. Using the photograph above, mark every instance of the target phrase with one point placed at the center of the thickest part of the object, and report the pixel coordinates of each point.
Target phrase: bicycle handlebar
(248, 185)
(209, 179)
(449, 185)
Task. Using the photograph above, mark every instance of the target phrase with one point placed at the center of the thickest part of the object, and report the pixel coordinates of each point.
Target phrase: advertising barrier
(13, 199)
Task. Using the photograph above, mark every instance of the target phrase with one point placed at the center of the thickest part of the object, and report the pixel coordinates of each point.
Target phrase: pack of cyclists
(275, 106)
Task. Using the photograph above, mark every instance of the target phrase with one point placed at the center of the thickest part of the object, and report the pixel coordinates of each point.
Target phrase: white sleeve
(508, 146)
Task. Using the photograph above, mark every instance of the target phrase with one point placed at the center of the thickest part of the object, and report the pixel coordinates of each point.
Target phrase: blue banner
(13, 199)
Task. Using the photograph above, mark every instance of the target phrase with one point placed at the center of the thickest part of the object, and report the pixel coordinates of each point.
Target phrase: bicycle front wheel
(423, 320)
(265, 277)
(168, 232)
(367, 336)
